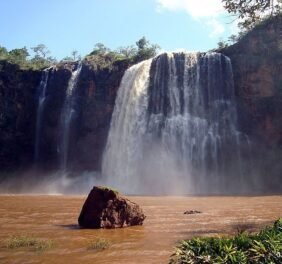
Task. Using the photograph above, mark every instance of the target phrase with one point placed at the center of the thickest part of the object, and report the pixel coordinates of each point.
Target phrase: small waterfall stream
(174, 127)
(42, 89)
(68, 115)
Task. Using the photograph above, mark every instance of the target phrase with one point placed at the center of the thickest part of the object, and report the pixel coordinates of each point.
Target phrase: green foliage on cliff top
(244, 248)
(103, 57)
(20, 56)
(251, 12)
(259, 26)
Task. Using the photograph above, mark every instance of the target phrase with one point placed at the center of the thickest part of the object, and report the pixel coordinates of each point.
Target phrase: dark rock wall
(95, 98)
(96, 116)
(55, 96)
(94, 102)
(17, 116)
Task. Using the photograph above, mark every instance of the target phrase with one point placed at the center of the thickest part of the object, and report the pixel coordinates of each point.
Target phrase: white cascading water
(128, 127)
(174, 127)
(67, 116)
(40, 108)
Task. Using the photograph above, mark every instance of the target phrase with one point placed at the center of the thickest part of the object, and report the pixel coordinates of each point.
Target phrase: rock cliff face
(17, 115)
(96, 115)
(94, 94)
(257, 67)
(55, 95)
(95, 98)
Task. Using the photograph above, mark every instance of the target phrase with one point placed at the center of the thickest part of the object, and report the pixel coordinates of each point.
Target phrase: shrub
(263, 247)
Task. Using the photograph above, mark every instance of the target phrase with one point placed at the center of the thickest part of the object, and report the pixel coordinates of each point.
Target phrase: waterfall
(174, 127)
(68, 116)
(42, 88)
(128, 126)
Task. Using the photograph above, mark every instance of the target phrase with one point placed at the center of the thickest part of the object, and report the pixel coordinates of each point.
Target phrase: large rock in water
(106, 208)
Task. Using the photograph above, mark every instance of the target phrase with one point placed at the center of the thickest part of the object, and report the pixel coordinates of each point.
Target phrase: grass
(244, 248)
(99, 244)
(29, 242)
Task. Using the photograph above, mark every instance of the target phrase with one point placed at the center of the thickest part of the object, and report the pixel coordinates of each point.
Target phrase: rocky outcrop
(106, 208)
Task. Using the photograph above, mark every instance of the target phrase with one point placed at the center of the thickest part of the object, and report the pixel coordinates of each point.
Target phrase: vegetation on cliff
(252, 12)
(21, 57)
(103, 57)
(263, 247)
(250, 15)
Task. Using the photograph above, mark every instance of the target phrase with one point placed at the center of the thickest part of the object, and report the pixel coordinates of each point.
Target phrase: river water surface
(55, 217)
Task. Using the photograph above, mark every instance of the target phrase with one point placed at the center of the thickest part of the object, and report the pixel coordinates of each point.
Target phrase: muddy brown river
(55, 217)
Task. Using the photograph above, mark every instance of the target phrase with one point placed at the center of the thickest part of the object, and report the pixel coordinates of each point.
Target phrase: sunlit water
(175, 130)
(55, 217)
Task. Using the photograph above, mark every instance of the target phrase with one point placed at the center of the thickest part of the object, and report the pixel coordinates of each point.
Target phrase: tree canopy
(252, 11)
(146, 50)
(143, 50)
(101, 55)
(21, 57)
(104, 57)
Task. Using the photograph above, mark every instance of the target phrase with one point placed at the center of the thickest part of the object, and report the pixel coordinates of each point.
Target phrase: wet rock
(192, 212)
(106, 208)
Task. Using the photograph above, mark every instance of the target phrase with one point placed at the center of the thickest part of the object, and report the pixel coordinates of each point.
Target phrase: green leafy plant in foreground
(28, 242)
(244, 248)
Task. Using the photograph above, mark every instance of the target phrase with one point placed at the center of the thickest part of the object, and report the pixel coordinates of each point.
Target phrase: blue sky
(67, 25)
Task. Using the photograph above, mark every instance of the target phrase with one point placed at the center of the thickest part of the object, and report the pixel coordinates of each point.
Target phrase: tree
(105, 57)
(221, 44)
(18, 56)
(142, 43)
(146, 50)
(40, 51)
(3, 53)
(128, 51)
(100, 49)
(252, 11)
(51, 60)
(75, 55)
(233, 38)
(40, 59)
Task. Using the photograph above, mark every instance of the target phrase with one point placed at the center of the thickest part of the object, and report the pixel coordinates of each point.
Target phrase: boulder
(106, 208)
